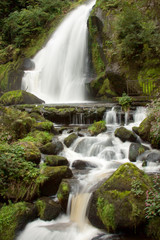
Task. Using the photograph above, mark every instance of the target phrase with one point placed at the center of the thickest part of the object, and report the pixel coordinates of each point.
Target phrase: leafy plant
(152, 202)
(136, 188)
(125, 101)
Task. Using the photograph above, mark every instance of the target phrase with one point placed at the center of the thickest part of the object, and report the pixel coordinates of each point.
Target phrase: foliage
(17, 176)
(97, 127)
(136, 187)
(125, 102)
(8, 219)
(154, 114)
(152, 202)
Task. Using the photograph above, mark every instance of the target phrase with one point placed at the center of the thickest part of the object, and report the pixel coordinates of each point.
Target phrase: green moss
(44, 126)
(9, 219)
(38, 137)
(97, 127)
(63, 191)
(106, 212)
(41, 207)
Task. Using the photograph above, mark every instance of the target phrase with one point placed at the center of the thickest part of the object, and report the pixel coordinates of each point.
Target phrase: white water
(61, 66)
(107, 153)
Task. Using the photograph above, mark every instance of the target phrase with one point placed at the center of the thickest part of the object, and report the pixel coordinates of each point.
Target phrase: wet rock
(54, 176)
(27, 64)
(52, 148)
(63, 193)
(116, 205)
(125, 134)
(135, 150)
(55, 160)
(151, 156)
(81, 165)
(48, 209)
(144, 129)
(70, 139)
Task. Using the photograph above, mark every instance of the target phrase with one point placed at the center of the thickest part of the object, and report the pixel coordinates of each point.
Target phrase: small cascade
(105, 153)
(111, 116)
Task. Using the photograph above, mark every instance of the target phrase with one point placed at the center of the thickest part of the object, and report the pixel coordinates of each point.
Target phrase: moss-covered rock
(14, 217)
(97, 127)
(125, 134)
(19, 97)
(22, 126)
(47, 208)
(31, 152)
(52, 148)
(120, 201)
(55, 160)
(63, 194)
(144, 129)
(54, 176)
(70, 139)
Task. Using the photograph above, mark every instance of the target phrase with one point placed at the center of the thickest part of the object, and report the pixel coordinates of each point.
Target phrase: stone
(81, 165)
(52, 148)
(70, 139)
(125, 135)
(48, 209)
(55, 160)
(135, 150)
(54, 176)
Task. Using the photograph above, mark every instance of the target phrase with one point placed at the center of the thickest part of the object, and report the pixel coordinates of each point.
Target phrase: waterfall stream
(61, 66)
(105, 153)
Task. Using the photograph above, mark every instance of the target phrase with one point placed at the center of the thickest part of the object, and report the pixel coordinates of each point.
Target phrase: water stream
(61, 66)
(104, 153)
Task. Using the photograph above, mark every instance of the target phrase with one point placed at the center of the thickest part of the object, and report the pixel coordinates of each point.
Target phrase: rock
(70, 139)
(63, 194)
(135, 150)
(97, 127)
(81, 165)
(27, 64)
(19, 97)
(144, 129)
(31, 152)
(55, 160)
(153, 156)
(48, 209)
(14, 218)
(125, 135)
(118, 204)
(54, 176)
(52, 148)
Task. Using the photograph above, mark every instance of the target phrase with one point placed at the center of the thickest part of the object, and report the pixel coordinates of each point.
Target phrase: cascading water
(104, 154)
(61, 66)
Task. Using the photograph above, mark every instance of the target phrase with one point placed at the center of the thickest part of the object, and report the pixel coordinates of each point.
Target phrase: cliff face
(124, 46)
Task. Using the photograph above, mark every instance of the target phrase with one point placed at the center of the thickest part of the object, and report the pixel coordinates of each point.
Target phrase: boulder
(151, 156)
(22, 126)
(55, 160)
(27, 64)
(14, 218)
(125, 134)
(135, 150)
(19, 97)
(70, 139)
(119, 203)
(97, 127)
(63, 193)
(54, 176)
(48, 209)
(144, 129)
(52, 148)
(81, 165)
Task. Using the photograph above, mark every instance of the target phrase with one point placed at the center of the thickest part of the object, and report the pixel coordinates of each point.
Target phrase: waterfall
(61, 66)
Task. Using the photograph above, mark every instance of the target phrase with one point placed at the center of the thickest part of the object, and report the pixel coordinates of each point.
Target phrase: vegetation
(97, 127)
(125, 101)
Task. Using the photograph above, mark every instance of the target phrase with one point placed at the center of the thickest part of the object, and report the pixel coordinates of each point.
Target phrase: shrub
(125, 101)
